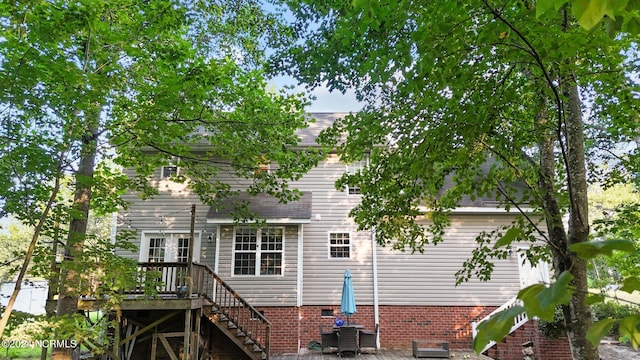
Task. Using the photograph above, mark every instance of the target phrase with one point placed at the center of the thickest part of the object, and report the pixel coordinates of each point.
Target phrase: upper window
(258, 251)
(168, 171)
(339, 245)
(354, 168)
(262, 166)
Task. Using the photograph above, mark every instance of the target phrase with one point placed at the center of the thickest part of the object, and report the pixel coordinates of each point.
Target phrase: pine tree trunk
(68, 296)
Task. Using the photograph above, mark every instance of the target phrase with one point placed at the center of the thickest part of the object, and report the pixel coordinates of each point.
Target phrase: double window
(258, 251)
(353, 169)
(339, 245)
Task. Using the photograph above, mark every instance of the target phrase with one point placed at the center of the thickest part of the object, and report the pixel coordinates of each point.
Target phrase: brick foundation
(408, 322)
(544, 349)
(294, 328)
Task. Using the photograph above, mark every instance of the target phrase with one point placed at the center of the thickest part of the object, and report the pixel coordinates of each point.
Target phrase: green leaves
(540, 300)
(545, 5)
(629, 328)
(537, 301)
(599, 330)
(472, 98)
(630, 284)
(496, 328)
(590, 13)
(513, 234)
(591, 249)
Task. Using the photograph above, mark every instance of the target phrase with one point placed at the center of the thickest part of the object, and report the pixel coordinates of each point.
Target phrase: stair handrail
(518, 321)
(233, 306)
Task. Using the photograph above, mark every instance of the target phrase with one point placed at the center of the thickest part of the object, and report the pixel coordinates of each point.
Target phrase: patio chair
(347, 337)
(329, 338)
(368, 339)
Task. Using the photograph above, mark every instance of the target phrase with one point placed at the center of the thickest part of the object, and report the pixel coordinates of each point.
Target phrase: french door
(168, 247)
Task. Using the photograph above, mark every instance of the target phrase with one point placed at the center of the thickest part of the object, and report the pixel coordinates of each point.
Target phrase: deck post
(196, 342)
(116, 335)
(190, 254)
(187, 335)
(154, 344)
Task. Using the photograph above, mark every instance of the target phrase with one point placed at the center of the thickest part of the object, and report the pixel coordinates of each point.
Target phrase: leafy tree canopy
(93, 86)
(158, 76)
(507, 100)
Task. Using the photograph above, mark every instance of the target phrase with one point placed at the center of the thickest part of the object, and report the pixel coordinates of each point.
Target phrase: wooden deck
(382, 354)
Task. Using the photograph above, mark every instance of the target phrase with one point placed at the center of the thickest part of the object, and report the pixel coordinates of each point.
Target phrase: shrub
(604, 310)
(553, 329)
(613, 310)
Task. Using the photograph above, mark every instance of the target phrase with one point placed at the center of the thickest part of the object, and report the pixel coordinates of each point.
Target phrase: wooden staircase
(242, 339)
(243, 324)
(518, 321)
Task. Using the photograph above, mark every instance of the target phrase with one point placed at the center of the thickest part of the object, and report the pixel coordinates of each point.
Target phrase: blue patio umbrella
(348, 303)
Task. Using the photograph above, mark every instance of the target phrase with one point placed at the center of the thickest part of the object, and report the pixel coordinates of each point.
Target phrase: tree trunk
(68, 296)
(29, 255)
(577, 314)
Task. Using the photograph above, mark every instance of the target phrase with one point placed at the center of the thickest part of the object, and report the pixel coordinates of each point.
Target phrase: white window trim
(329, 245)
(258, 252)
(360, 164)
(169, 235)
(168, 166)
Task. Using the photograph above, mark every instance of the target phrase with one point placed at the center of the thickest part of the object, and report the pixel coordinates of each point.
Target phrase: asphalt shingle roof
(266, 207)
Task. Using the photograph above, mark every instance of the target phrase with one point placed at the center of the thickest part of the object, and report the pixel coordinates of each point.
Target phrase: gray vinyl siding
(170, 210)
(322, 275)
(404, 279)
(429, 278)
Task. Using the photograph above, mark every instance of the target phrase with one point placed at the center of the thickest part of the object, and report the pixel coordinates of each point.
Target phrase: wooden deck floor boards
(382, 354)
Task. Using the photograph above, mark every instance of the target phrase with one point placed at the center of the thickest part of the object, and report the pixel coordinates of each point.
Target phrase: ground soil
(613, 350)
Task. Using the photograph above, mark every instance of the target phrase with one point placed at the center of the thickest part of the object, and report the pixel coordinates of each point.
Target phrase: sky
(325, 101)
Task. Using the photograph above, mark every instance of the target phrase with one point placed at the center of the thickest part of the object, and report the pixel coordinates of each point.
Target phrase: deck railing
(171, 278)
(167, 277)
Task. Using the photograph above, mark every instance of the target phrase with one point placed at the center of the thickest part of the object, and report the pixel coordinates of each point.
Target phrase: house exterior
(291, 268)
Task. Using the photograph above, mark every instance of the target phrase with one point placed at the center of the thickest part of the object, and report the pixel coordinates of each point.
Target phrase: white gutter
(270, 221)
(374, 266)
(480, 210)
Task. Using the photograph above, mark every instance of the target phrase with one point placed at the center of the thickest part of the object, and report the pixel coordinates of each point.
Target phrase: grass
(20, 353)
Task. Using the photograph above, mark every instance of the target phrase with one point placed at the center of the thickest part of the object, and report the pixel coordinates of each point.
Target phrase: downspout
(299, 266)
(374, 265)
(114, 227)
(216, 258)
(299, 280)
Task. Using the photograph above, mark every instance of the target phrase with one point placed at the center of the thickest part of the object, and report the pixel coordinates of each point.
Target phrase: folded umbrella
(348, 303)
